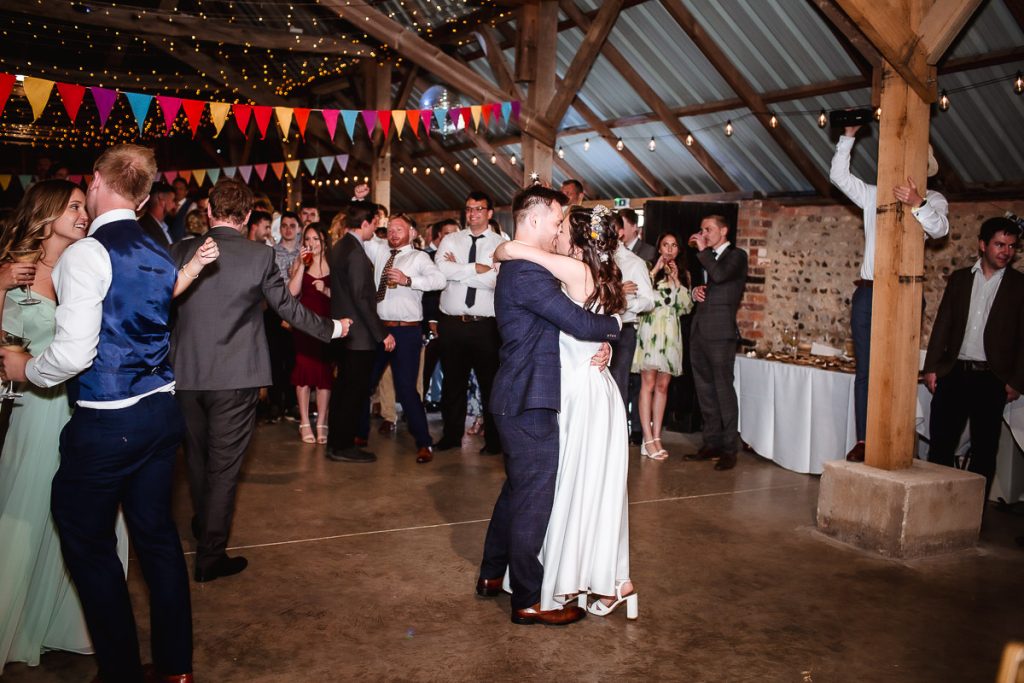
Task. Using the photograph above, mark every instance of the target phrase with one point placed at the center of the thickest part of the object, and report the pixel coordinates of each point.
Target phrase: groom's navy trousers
(530, 441)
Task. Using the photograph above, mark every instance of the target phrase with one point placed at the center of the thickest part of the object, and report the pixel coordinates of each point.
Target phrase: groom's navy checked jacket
(531, 309)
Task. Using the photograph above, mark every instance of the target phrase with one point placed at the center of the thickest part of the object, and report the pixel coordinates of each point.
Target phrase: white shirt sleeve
(934, 215)
(853, 187)
(428, 277)
(81, 279)
(636, 271)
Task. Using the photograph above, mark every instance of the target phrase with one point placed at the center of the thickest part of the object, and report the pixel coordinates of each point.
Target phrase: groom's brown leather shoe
(703, 454)
(552, 617)
(488, 588)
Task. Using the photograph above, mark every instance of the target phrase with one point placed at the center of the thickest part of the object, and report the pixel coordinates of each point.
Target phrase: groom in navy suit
(531, 310)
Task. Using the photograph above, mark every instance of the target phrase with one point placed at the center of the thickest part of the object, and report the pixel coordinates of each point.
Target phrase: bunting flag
(169, 176)
(278, 169)
(328, 162)
(187, 175)
(37, 90)
(331, 121)
(76, 178)
(301, 119)
(230, 171)
(71, 95)
(5, 181)
(6, 85)
(104, 99)
(261, 170)
(506, 110)
(284, 119)
(370, 119)
(170, 106)
(246, 172)
(219, 114)
(139, 104)
(310, 165)
(213, 174)
(413, 115)
(475, 111)
(242, 113)
(439, 115)
(455, 116)
(25, 181)
(194, 113)
(262, 115)
(398, 116)
(342, 161)
(384, 117)
(348, 117)
(515, 109)
(200, 176)
(293, 167)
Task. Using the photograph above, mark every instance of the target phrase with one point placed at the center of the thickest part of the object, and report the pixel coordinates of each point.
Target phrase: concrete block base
(924, 510)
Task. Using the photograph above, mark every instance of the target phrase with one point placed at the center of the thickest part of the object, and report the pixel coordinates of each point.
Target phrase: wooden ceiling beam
(496, 60)
(595, 36)
(1016, 8)
(751, 99)
(138, 20)
(853, 40)
(658, 105)
(942, 24)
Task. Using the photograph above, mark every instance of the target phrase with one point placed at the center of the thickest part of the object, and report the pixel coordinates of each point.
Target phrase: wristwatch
(409, 283)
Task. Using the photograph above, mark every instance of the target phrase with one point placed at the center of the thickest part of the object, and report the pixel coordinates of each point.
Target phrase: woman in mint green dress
(39, 607)
(659, 342)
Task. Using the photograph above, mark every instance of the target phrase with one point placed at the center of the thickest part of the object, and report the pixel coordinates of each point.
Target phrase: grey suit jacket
(715, 317)
(153, 229)
(645, 251)
(218, 340)
(354, 294)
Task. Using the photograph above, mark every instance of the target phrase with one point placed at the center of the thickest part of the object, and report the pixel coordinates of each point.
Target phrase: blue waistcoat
(131, 357)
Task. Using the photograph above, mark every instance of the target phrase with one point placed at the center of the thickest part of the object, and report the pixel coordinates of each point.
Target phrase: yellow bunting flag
(200, 175)
(37, 90)
(219, 114)
(284, 119)
(398, 118)
(5, 181)
(293, 167)
(475, 111)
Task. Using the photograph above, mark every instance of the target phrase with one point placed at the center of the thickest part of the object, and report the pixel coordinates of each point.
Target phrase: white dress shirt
(81, 279)
(402, 303)
(933, 216)
(462, 274)
(634, 269)
(983, 293)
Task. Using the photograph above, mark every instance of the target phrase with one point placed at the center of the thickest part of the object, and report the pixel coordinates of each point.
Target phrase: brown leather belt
(974, 365)
(864, 283)
(469, 318)
(400, 323)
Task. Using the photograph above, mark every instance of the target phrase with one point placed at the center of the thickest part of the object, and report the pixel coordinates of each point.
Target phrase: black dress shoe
(352, 454)
(856, 453)
(703, 454)
(446, 444)
(488, 588)
(432, 407)
(224, 566)
(726, 461)
(636, 438)
(490, 451)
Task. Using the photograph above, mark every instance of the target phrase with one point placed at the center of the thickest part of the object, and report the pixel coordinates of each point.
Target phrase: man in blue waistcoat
(115, 288)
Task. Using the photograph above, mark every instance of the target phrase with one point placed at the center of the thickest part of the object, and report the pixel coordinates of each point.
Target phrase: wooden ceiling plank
(942, 24)
(753, 101)
(849, 35)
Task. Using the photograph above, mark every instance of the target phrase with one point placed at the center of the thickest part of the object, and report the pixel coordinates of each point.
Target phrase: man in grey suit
(220, 359)
(713, 337)
(354, 295)
(630, 236)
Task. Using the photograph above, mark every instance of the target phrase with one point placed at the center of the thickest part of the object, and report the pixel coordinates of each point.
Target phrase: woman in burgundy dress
(308, 281)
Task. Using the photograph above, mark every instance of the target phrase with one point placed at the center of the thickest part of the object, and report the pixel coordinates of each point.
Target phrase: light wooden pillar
(535, 61)
(378, 95)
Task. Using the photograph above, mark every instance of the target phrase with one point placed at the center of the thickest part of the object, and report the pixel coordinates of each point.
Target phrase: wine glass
(790, 339)
(27, 256)
(11, 342)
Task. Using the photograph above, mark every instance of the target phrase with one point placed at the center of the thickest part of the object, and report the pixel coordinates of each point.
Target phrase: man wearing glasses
(467, 331)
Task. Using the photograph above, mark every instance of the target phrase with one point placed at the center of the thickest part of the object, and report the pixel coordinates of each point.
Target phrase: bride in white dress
(586, 548)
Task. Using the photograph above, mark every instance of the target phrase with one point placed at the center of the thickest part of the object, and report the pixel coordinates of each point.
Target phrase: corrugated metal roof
(992, 28)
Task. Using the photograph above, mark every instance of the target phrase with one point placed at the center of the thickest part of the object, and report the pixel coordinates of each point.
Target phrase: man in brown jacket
(975, 361)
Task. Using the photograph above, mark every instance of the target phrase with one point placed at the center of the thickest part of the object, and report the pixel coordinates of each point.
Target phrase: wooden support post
(378, 93)
(538, 153)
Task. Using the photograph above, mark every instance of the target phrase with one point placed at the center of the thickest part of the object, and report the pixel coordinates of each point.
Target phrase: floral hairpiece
(597, 215)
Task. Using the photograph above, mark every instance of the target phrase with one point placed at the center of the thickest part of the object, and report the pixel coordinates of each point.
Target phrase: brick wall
(804, 259)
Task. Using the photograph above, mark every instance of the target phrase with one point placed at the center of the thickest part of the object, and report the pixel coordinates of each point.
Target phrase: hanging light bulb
(822, 119)
(401, 170)
(441, 170)
(773, 122)
(944, 102)
(513, 160)
(620, 145)
(728, 128)
(415, 170)
(475, 161)
(346, 180)
(652, 145)
(426, 171)
(561, 152)
(586, 145)
(1018, 84)
(457, 167)
(494, 158)
(878, 113)
(689, 140)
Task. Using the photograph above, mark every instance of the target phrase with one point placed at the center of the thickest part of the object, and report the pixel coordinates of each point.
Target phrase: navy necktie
(471, 291)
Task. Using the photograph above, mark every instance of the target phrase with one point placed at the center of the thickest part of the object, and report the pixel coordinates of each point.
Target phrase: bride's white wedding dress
(586, 548)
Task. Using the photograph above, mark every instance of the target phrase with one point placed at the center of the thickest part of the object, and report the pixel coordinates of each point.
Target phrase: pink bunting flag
(261, 170)
(169, 176)
(104, 99)
(6, 84)
(169, 106)
(331, 121)
(242, 114)
(515, 109)
(71, 95)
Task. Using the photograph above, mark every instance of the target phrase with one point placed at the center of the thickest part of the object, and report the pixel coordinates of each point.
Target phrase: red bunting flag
(187, 175)
(412, 117)
(6, 83)
(242, 113)
(301, 115)
(485, 111)
(194, 112)
(71, 95)
(170, 106)
(384, 117)
(262, 114)
(261, 170)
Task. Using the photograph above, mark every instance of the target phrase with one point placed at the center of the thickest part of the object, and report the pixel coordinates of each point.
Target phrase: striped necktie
(382, 286)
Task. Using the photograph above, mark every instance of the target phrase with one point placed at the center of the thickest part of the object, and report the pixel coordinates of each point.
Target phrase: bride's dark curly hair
(597, 239)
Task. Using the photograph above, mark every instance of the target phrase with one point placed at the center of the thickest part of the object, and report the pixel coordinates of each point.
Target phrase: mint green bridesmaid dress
(39, 607)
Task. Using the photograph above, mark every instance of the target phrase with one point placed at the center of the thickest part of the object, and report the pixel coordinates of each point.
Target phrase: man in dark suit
(354, 295)
(220, 359)
(432, 311)
(630, 236)
(531, 309)
(713, 337)
(975, 360)
(159, 210)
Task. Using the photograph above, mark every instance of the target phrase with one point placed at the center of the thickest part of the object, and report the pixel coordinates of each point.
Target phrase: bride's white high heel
(600, 609)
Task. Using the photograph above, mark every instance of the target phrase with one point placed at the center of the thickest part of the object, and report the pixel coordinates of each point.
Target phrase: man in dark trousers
(975, 360)
(713, 337)
(220, 358)
(531, 310)
(354, 295)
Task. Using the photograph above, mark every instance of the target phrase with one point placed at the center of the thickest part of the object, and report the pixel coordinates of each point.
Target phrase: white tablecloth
(801, 417)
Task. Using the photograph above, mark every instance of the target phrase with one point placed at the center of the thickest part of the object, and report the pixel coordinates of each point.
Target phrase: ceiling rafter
(653, 184)
(853, 40)
(658, 105)
(751, 99)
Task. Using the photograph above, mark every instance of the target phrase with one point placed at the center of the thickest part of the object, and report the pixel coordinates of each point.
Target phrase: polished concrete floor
(366, 572)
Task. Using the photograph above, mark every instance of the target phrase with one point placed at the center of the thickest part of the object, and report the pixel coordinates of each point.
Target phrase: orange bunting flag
(414, 120)
(301, 119)
(278, 168)
(5, 181)
(37, 90)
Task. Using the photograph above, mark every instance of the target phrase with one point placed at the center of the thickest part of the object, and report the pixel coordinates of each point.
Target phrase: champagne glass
(11, 342)
(27, 256)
